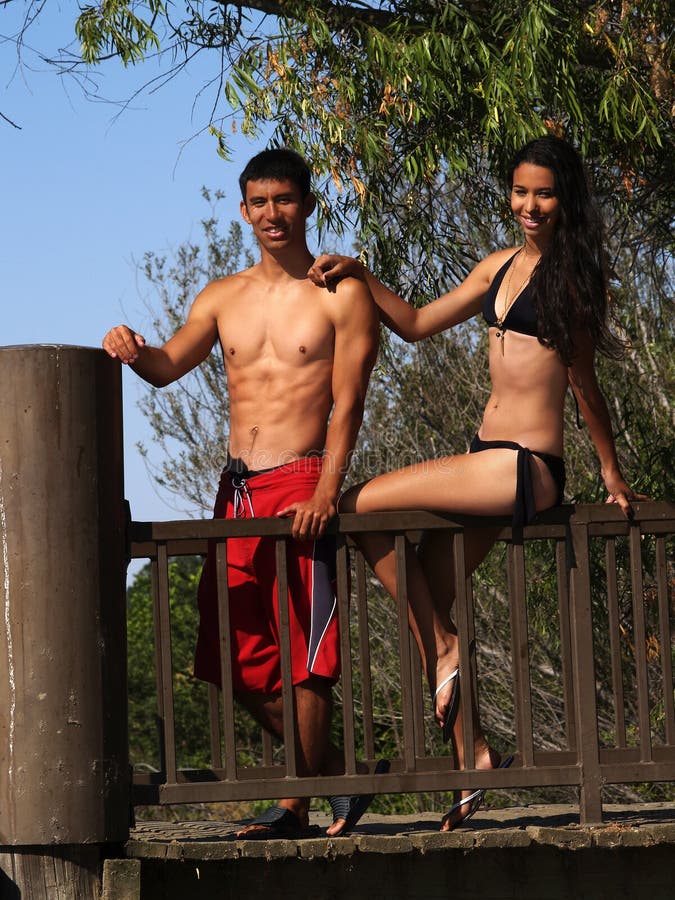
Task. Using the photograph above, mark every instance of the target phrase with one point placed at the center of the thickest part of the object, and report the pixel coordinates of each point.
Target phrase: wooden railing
(634, 560)
(64, 785)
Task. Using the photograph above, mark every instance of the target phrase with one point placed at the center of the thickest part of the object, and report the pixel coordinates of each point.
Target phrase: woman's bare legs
(438, 566)
(437, 644)
(473, 484)
(479, 484)
(484, 756)
(436, 557)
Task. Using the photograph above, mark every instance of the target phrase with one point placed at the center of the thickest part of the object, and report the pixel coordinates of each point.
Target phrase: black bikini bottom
(524, 510)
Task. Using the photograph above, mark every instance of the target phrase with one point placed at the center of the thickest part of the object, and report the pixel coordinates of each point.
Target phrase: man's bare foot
(348, 810)
(288, 819)
(337, 826)
(469, 802)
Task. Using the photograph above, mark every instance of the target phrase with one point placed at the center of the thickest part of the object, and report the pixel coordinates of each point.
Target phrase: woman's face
(533, 200)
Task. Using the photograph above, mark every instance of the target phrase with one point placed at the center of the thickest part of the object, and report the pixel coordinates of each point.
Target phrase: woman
(545, 303)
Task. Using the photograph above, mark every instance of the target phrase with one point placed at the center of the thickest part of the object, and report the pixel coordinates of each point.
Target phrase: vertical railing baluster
(565, 643)
(472, 667)
(159, 678)
(665, 639)
(287, 692)
(216, 753)
(166, 664)
(342, 561)
(419, 707)
(590, 777)
(364, 658)
(267, 748)
(615, 643)
(464, 629)
(225, 644)
(520, 652)
(404, 653)
(640, 640)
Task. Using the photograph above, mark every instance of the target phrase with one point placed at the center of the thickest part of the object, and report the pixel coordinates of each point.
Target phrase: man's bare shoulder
(221, 289)
(348, 295)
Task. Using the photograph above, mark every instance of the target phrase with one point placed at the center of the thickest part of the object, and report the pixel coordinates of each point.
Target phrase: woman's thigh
(482, 484)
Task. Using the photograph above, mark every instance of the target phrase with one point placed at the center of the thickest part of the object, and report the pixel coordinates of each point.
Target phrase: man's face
(277, 212)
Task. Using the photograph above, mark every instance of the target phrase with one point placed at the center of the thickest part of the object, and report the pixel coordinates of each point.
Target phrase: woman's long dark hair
(569, 286)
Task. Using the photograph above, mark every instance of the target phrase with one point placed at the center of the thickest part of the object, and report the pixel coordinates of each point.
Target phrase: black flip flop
(452, 707)
(278, 822)
(474, 800)
(352, 808)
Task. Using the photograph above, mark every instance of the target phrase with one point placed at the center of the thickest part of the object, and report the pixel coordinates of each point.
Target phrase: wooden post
(64, 773)
(583, 673)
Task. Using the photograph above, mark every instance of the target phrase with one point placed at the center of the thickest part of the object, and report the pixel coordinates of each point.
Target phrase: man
(297, 360)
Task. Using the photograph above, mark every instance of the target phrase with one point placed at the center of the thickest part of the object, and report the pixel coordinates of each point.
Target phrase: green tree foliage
(191, 705)
(392, 101)
(397, 104)
(190, 696)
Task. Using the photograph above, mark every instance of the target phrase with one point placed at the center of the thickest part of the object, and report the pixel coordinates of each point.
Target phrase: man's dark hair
(278, 164)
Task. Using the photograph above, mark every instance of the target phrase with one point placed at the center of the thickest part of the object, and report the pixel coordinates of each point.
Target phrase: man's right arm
(186, 349)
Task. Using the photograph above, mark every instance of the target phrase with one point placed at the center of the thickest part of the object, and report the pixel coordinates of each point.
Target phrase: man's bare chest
(293, 334)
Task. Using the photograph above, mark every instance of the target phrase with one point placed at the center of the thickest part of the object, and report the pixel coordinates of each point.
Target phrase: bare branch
(9, 121)
(336, 15)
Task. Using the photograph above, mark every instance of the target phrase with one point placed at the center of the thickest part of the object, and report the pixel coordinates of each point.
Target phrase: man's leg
(314, 707)
(311, 614)
(315, 754)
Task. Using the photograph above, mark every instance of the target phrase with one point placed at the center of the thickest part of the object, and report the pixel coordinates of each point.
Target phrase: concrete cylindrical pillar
(64, 775)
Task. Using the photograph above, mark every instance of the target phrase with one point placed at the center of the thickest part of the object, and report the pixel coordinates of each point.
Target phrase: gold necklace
(499, 321)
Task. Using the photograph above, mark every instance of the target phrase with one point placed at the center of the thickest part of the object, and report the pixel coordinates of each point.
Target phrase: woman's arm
(594, 409)
(405, 320)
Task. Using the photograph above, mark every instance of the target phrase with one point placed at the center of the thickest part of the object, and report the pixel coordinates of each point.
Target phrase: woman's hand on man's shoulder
(329, 268)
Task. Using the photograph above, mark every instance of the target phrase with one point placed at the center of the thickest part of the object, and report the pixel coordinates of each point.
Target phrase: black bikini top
(521, 317)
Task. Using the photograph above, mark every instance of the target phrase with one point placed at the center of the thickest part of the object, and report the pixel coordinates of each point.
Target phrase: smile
(530, 220)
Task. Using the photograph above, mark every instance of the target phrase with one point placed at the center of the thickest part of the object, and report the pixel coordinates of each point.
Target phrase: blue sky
(86, 190)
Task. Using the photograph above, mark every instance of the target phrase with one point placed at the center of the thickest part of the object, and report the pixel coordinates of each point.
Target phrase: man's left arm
(356, 324)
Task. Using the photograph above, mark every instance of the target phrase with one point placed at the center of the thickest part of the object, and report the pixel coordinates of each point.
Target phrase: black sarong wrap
(524, 509)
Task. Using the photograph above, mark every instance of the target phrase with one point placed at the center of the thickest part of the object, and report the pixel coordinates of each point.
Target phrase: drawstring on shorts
(242, 496)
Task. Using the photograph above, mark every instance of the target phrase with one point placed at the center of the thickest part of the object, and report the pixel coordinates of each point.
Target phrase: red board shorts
(252, 583)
